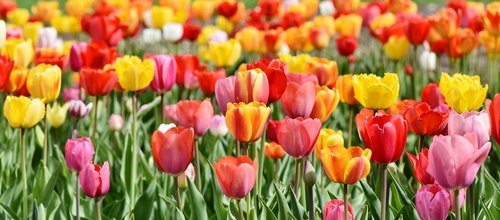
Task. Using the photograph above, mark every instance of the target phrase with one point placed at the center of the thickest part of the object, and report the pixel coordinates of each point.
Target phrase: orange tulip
(251, 85)
(463, 42)
(346, 90)
(44, 11)
(250, 39)
(349, 25)
(326, 102)
(346, 166)
(326, 71)
(492, 18)
(16, 80)
(246, 122)
(273, 150)
(445, 22)
(328, 137)
(203, 9)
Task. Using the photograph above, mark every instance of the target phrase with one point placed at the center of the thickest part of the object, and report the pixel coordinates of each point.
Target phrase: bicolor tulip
(433, 202)
(273, 150)
(319, 37)
(94, 180)
(384, 134)
(328, 137)
(444, 22)
(431, 94)
(52, 56)
(134, 74)
(454, 160)
(334, 210)
(56, 114)
(346, 89)
(20, 51)
(6, 66)
(250, 86)
(462, 93)
(44, 82)
(173, 149)
(45, 10)
(250, 39)
(224, 54)
(47, 37)
(492, 18)
(470, 122)
(422, 120)
(374, 92)
(346, 166)
(416, 28)
(298, 136)
(16, 80)
(326, 102)
(276, 76)
(224, 92)
(189, 173)
(298, 100)
(494, 113)
(78, 109)
(98, 82)
(202, 10)
(78, 153)
(236, 176)
(349, 25)
(325, 70)
(195, 114)
(246, 122)
(208, 79)
(462, 42)
(419, 164)
(23, 112)
(218, 126)
(165, 72)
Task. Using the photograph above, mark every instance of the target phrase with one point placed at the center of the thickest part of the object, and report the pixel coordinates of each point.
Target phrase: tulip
(218, 126)
(45, 10)
(95, 180)
(345, 166)
(374, 92)
(454, 160)
(172, 32)
(224, 92)
(195, 114)
(396, 47)
(249, 38)
(298, 136)
(115, 122)
(346, 90)
(422, 120)
(22, 112)
(427, 60)
(445, 22)
(420, 163)
(224, 54)
(16, 80)
(51, 56)
(433, 202)
(296, 64)
(173, 149)
(56, 114)
(44, 82)
(77, 8)
(273, 150)
(165, 71)
(246, 122)
(326, 8)
(47, 37)
(334, 210)
(78, 109)
(20, 51)
(470, 122)
(97, 82)
(202, 9)
(346, 45)
(188, 173)
(151, 35)
(302, 79)
(462, 43)
(78, 153)
(30, 31)
(325, 70)
(298, 100)
(134, 75)
(18, 16)
(208, 80)
(160, 16)
(462, 93)
(191, 31)
(326, 102)
(276, 76)
(272, 129)
(348, 25)
(72, 94)
(250, 86)
(6, 66)
(3, 33)
(328, 137)
(76, 57)
(236, 176)
(187, 65)
(227, 8)
(103, 27)
(97, 54)
(432, 95)
(494, 114)
(319, 37)
(492, 18)
(416, 29)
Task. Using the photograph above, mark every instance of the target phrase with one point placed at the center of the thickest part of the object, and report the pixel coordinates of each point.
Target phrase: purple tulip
(78, 153)
(164, 73)
(95, 180)
(78, 109)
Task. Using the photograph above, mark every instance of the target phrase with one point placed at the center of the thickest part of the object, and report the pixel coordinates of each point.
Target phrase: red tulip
(276, 76)
(51, 56)
(292, 19)
(419, 164)
(272, 130)
(173, 149)
(98, 54)
(236, 176)
(191, 31)
(422, 120)
(6, 6)
(346, 45)
(227, 8)
(269, 8)
(187, 65)
(432, 95)
(417, 27)
(6, 66)
(271, 39)
(440, 46)
(384, 134)
(298, 136)
(195, 114)
(298, 100)
(98, 82)
(208, 79)
(494, 113)
(95, 180)
(104, 27)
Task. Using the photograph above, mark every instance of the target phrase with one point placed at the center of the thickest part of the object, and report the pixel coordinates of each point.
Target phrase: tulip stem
(470, 202)
(74, 133)
(45, 138)
(351, 116)
(276, 169)
(413, 74)
(240, 209)
(77, 198)
(346, 203)
(297, 175)
(384, 192)
(310, 201)
(458, 214)
(134, 152)
(177, 193)
(238, 153)
(162, 103)
(23, 174)
(495, 68)
(197, 158)
(94, 119)
(97, 209)
(421, 141)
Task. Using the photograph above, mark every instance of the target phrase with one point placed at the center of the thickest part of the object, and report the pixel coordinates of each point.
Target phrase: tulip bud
(115, 122)
(309, 174)
(427, 60)
(188, 173)
(218, 126)
(95, 180)
(78, 109)
(78, 153)
(56, 114)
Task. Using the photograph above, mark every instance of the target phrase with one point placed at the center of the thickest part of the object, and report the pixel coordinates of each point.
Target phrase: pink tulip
(470, 122)
(454, 160)
(78, 153)
(298, 100)
(251, 85)
(334, 210)
(115, 122)
(236, 176)
(302, 78)
(433, 202)
(76, 55)
(298, 136)
(95, 180)
(224, 92)
(218, 126)
(173, 149)
(195, 114)
(73, 93)
(170, 113)
(164, 73)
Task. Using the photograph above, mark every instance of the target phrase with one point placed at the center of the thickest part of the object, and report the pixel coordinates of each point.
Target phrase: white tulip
(151, 35)
(326, 8)
(172, 32)
(3, 33)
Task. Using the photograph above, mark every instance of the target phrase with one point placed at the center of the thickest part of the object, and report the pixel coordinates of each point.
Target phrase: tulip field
(246, 110)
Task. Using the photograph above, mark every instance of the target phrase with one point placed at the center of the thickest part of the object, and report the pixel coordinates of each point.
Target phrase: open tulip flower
(236, 176)
(246, 122)
(346, 166)
(173, 149)
(374, 92)
(420, 163)
(462, 93)
(422, 120)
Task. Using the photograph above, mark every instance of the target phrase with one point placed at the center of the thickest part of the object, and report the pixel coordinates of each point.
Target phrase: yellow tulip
(30, 31)
(463, 93)
(382, 21)
(311, 7)
(44, 82)
(224, 54)
(488, 42)
(296, 64)
(20, 51)
(396, 47)
(46, 10)
(328, 137)
(22, 112)
(224, 24)
(250, 38)
(349, 25)
(346, 166)
(177, 5)
(203, 9)
(161, 15)
(205, 34)
(56, 114)
(374, 92)
(326, 22)
(66, 24)
(134, 74)
(18, 16)
(180, 17)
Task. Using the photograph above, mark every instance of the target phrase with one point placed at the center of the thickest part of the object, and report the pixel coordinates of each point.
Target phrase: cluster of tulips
(170, 81)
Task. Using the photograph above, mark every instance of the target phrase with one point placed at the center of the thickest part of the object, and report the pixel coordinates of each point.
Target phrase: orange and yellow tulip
(346, 166)
(492, 18)
(246, 122)
(203, 9)
(328, 137)
(445, 22)
(250, 39)
(44, 11)
(326, 102)
(349, 25)
(274, 151)
(326, 71)
(346, 90)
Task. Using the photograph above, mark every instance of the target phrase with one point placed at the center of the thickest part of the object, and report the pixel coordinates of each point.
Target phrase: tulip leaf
(267, 213)
(198, 205)
(126, 166)
(45, 196)
(220, 211)
(406, 205)
(297, 210)
(148, 108)
(9, 211)
(145, 204)
(177, 214)
(283, 208)
(41, 178)
(232, 208)
(41, 212)
(371, 199)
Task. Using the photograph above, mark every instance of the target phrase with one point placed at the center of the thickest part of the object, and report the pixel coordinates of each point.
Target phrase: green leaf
(267, 213)
(45, 196)
(41, 212)
(297, 210)
(371, 199)
(198, 205)
(126, 166)
(9, 211)
(177, 214)
(220, 211)
(145, 204)
(283, 208)
(41, 178)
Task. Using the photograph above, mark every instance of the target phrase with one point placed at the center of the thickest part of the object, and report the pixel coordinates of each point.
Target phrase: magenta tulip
(334, 210)
(470, 122)
(78, 153)
(76, 55)
(224, 92)
(298, 136)
(164, 73)
(95, 180)
(433, 202)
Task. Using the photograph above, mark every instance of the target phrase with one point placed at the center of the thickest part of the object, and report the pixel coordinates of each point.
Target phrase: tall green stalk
(23, 175)
(134, 152)
(97, 209)
(384, 192)
(45, 137)
(197, 169)
(346, 203)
